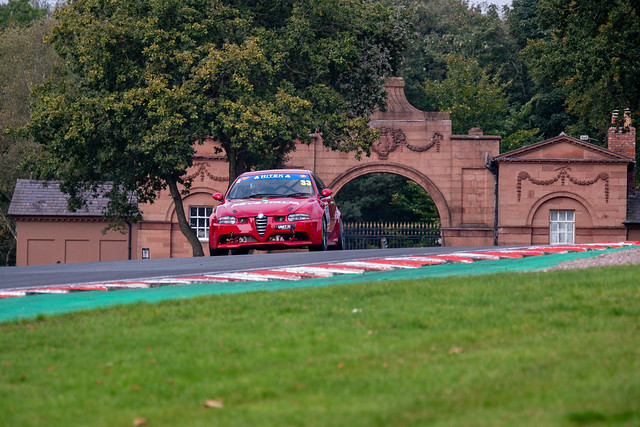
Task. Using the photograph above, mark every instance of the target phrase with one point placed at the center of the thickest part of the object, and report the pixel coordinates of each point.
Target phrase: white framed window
(561, 227)
(199, 220)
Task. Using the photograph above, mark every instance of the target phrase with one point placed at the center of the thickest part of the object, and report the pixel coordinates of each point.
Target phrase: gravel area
(627, 256)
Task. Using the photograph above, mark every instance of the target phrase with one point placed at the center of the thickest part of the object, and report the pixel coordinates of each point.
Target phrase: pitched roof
(562, 148)
(44, 198)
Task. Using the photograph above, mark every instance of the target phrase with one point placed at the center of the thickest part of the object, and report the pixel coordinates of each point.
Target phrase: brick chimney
(622, 139)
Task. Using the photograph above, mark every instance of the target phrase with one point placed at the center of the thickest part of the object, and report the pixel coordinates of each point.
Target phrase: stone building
(48, 233)
(562, 190)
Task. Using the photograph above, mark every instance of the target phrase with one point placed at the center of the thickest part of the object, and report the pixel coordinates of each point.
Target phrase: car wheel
(218, 252)
(342, 241)
(325, 239)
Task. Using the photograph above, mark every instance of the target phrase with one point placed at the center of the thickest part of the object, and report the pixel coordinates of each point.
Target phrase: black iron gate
(375, 235)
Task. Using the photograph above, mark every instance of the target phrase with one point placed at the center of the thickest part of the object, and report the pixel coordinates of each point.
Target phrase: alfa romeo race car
(275, 209)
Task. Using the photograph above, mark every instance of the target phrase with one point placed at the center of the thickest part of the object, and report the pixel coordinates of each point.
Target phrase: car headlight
(298, 217)
(227, 220)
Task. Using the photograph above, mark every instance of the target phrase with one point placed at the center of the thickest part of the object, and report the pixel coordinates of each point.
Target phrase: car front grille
(261, 225)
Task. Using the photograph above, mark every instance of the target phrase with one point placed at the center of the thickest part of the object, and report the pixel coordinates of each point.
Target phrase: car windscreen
(272, 185)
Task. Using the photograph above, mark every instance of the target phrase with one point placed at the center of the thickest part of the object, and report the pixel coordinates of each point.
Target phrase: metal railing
(397, 234)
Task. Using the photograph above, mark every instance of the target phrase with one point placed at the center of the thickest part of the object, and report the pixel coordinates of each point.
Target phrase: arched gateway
(419, 145)
(415, 144)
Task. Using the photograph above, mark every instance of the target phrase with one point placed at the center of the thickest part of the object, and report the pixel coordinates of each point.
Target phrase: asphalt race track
(67, 274)
(26, 292)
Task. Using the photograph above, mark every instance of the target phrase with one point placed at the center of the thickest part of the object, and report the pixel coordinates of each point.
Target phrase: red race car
(275, 209)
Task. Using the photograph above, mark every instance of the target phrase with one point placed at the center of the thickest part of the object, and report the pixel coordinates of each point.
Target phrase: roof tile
(44, 198)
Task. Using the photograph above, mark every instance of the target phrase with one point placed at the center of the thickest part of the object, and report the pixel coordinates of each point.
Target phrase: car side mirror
(218, 196)
(326, 192)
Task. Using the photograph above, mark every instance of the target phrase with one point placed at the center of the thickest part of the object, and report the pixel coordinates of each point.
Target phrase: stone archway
(419, 145)
(415, 144)
(407, 172)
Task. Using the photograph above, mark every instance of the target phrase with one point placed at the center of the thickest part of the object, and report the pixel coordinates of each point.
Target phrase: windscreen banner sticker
(263, 202)
(276, 176)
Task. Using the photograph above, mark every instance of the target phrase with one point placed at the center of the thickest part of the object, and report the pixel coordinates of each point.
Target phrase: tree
(453, 27)
(147, 79)
(25, 60)
(385, 197)
(21, 12)
(480, 37)
(473, 98)
(310, 67)
(590, 57)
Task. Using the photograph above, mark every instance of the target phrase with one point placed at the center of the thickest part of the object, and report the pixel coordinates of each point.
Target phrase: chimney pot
(627, 118)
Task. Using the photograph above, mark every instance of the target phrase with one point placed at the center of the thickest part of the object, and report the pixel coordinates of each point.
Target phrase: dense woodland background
(526, 73)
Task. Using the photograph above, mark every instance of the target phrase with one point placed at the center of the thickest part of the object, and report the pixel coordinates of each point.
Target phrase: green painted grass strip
(51, 304)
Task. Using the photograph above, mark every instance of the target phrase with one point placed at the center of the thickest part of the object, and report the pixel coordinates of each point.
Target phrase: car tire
(342, 242)
(325, 239)
(217, 252)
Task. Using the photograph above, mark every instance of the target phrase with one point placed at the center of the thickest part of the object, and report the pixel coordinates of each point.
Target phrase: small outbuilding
(48, 233)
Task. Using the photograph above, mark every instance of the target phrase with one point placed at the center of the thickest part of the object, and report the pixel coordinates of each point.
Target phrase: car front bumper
(277, 234)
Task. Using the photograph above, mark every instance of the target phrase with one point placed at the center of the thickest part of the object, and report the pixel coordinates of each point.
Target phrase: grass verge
(560, 348)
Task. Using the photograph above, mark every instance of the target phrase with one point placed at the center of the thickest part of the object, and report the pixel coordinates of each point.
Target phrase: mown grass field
(560, 348)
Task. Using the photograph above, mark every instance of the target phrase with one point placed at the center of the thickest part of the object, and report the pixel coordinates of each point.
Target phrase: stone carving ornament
(562, 176)
(391, 139)
(202, 172)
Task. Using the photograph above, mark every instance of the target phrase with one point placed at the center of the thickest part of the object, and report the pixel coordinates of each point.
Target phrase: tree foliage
(590, 58)
(465, 60)
(470, 95)
(313, 66)
(475, 99)
(21, 13)
(446, 28)
(385, 197)
(148, 78)
(25, 60)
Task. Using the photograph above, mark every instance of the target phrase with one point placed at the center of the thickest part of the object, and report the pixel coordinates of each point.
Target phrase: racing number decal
(304, 182)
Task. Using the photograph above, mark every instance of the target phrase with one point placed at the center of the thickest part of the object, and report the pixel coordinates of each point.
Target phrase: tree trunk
(182, 220)
(236, 159)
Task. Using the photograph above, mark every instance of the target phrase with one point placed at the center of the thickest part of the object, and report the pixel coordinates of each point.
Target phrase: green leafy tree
(25, 60)
(589, 59)
(476, 99)
(454, 27)
(473, 98)
(21, 12)
(385, 197)
(311, 67)
(522, 20)
(146, 79)
(413, 203)
(456, 37)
